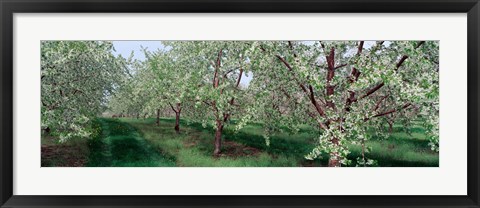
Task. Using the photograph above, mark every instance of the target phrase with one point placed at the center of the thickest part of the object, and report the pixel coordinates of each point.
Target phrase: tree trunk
(138, 115)
(47, 130)
(177, 122)
(390, 127)
(158, 117)
(218, 138)
(363, 153)
(334, 160)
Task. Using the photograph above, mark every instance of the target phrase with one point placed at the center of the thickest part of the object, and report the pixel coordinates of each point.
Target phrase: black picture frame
(9, 7)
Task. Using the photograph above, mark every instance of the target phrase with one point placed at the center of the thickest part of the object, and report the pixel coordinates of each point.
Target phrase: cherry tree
(218, 67)
(76, 76)
(132, 95)
(347, 90)
(344, 89)
(172, 82)
(160, 83)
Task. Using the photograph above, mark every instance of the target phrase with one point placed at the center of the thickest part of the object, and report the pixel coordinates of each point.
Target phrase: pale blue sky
(125, 47)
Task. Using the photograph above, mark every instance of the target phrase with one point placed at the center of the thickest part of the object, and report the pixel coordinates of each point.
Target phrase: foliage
(343, 88)
(216, 68)
(76, 76)
(347, 92)
(122, 138)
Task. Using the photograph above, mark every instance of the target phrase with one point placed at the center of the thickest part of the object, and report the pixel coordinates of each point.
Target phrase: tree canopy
(76, 77)
(349, 91)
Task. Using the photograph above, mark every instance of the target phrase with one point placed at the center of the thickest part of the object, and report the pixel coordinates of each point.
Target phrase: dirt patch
(310, 163)
(229, 148)
(193, 141)
(190, 144)
(63, 156)
(234, 149)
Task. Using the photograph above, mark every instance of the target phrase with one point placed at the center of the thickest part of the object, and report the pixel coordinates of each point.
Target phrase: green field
(130, 142)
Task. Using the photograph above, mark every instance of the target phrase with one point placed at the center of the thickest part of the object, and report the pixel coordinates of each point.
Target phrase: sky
(125, 48)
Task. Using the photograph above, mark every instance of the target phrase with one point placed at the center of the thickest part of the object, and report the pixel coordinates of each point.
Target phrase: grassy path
(128, 142)
(121, 145)
(246, 148)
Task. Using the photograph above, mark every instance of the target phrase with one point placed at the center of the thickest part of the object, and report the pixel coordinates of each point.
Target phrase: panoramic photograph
(263, 103)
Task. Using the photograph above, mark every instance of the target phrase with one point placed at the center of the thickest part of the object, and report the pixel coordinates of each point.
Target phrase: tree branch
(179, 107)
(291, 70)
(312, 115)
(353, 78)
(377, 105)
(217, 67)
(304, 89)
(172, 107)
(371, 91)
(360, 48)
(314, 101)
(389, 111)
(209, 104)
(239, 77)
(340, 66)
(291, 48)
(232, 101)
(330, 74)
(398, 65)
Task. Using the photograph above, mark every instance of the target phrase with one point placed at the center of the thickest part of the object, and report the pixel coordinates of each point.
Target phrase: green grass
(194, 146)
(131, 142)
(121, 145)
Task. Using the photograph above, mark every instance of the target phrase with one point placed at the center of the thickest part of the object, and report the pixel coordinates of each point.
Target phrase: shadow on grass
(400, 150)
(279, 146)
(121, 145)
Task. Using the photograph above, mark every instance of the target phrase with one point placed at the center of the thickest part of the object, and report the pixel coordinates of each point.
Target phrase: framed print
(244, 104)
